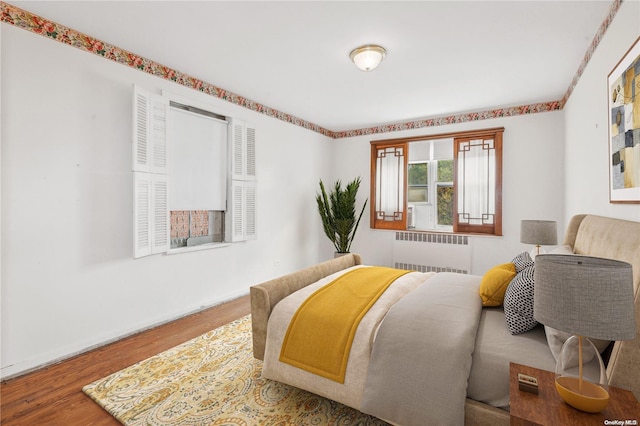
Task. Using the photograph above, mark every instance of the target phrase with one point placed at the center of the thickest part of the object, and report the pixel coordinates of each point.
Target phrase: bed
(409, 384)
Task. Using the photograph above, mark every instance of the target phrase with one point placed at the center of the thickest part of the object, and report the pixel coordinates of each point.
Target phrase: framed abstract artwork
(624, 128)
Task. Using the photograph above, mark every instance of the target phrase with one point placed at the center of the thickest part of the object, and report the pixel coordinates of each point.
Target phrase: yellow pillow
(495, 282)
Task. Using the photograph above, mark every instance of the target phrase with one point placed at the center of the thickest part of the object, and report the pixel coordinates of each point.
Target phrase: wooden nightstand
(547, 408)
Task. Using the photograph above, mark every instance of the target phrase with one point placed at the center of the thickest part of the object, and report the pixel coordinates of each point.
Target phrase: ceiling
(443, 57)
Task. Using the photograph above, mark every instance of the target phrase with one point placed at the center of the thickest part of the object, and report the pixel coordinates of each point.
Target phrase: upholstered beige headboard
(265, 296)
(614, 239)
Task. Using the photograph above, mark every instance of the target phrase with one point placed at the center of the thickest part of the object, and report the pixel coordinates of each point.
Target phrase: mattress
(495, 348)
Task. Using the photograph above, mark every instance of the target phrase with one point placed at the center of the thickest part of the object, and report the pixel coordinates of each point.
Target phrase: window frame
(495, 133)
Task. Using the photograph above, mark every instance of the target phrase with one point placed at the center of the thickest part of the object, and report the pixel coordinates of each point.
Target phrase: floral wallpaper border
(26, 20)
(23, 19)
(452, 119)
(615, 6)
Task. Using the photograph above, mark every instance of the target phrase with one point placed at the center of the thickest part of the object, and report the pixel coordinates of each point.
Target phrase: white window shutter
(151, 202)
(149, 131)
(241, 208)
(151, 214)
(142, 214)
(236, 151)
(250, 153)
(250, 211)
(161, 221)
(235, 226)
(242, 142)
(141, 138)
(241, 225)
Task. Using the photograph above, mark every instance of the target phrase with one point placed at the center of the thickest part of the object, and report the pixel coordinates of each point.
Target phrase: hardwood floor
(53, 395)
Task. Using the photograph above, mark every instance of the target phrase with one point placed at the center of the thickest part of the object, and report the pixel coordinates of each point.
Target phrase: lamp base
(591, 398)
(536, 251)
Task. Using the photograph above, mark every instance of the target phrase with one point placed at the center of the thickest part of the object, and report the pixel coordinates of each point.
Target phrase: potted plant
(338, 213)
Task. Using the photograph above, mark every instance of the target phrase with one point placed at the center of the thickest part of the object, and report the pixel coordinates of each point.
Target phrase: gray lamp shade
(584, 295)
(539, 232)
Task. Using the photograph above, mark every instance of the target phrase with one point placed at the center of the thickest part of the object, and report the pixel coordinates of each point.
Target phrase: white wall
(586, 115)
(532, 184)
(69, 280)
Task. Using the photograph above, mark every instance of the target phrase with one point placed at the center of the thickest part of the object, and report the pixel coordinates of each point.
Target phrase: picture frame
(624, 128)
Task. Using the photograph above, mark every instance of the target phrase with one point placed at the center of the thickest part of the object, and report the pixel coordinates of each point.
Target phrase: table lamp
(585, 296)
(538, 232)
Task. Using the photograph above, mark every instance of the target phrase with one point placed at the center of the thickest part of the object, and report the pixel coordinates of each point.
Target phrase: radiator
(429, 252)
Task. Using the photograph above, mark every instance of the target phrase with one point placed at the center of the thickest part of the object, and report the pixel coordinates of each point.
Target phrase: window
(194, 176)
(449, 183)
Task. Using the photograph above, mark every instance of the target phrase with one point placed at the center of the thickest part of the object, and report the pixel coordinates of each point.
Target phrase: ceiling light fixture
(368, 57)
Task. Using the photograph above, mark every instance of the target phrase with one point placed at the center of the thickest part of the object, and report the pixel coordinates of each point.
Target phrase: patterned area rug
(213, 380)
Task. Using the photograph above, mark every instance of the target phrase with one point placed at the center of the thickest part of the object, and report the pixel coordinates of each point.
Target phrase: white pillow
(556, 338)
(566, 249)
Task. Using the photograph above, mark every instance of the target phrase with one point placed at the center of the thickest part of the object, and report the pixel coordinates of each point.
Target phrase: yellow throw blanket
(321, 331)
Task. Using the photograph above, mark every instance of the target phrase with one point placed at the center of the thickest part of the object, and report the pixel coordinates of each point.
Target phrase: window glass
(444, 195)
(418, 175)
(445, 205)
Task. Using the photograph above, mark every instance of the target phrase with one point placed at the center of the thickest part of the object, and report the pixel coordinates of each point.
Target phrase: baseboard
(34, 364)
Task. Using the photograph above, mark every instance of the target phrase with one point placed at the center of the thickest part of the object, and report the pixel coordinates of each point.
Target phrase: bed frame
(586, 234)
